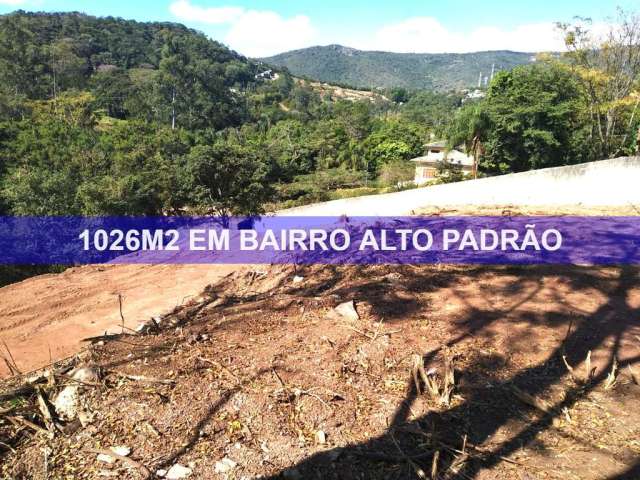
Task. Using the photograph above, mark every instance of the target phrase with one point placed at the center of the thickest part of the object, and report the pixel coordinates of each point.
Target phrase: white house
(427, 165)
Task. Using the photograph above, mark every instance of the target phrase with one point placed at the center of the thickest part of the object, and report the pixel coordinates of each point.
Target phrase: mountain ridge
(339, 64)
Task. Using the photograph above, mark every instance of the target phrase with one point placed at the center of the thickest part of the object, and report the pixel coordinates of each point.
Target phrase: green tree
(191, 84)
(470, 127)
(228, 179)
(113, 90)
(67, 69)
(399, 95)
(608, 68)
(396, 173)
(535, 120)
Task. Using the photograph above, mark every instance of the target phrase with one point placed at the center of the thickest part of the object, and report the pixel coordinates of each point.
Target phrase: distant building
(476, 94)
(106, 68)
(427, 165)
(267, 75)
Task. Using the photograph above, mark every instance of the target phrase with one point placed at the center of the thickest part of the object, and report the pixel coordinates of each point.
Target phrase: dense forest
(104, 116)
(109, 116)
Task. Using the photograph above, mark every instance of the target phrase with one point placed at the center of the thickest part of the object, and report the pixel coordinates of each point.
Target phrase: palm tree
(470, 127)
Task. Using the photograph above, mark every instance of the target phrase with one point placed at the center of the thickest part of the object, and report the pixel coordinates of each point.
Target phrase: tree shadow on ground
(407, 448)
(409, 445)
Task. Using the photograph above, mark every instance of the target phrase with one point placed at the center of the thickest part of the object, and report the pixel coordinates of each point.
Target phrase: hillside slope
(262, 377)
(445, 71)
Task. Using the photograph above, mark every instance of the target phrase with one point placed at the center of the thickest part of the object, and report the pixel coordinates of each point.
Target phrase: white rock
(347, 310)
(177, 471)
(161, 473)
(321, 437)
(102, 457)
(142, 327)
(225, 465)
(298, 279)
(85, 417)
(85, 375)
(121, 450)
(66, 402)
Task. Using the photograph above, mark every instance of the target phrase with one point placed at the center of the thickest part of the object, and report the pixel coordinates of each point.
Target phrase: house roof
(455, 157)
(438, 144)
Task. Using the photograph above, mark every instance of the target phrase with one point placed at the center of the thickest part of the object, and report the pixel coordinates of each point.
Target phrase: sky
(266, 27)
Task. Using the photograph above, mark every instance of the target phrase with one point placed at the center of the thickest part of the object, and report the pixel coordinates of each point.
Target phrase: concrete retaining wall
(613, 182)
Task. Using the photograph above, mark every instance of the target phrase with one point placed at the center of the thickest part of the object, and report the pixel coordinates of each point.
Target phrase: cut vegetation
(421, 372)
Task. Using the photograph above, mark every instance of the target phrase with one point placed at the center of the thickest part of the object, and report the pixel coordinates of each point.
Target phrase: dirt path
(46, 317)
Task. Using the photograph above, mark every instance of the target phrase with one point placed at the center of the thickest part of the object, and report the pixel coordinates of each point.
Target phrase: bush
(395, 174)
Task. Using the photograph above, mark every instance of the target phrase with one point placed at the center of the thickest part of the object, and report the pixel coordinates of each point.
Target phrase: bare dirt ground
(260, 378)
(343, 93)
(45, 318)
(253, 372)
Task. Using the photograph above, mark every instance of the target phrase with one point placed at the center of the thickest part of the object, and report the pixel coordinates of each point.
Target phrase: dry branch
(45, 412)
(530, 400)
(20, 421)
(129, 461)
(144, 379)
(611, 377)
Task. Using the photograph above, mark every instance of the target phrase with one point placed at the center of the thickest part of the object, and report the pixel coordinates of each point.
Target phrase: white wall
(605, 183)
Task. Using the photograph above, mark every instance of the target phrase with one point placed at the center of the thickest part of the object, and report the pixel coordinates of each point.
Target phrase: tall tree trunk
(173, 109)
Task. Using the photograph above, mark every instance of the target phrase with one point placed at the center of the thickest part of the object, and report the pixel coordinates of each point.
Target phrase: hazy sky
(260, 28)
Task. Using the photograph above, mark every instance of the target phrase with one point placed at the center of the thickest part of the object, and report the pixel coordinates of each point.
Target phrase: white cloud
(428, 35)
(251, 32)
(191, 13)
(13, 3)
(260, 34)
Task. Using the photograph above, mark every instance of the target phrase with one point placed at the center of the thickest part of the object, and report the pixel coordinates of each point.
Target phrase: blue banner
(324, 240)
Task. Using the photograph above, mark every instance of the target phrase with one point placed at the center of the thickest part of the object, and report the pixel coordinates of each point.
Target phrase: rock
(85, 418)
(347, 310)
(298, 279)
(121, 450)
(161, 473)
(321, 437)
(225, 465)
(177, 471)
(85, 375)
(66, 402)
(105, 458)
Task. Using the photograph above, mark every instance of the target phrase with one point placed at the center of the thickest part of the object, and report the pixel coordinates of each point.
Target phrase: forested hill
(106, 116)
(156, 70)
(443, 72)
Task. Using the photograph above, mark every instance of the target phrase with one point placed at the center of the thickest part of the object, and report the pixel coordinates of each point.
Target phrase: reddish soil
(255, 369)
(45, 318)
